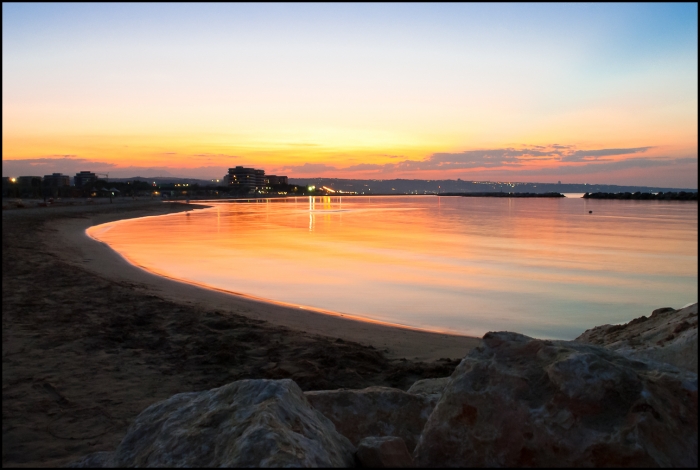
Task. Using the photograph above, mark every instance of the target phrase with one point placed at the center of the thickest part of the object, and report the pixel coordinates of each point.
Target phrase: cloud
(582, 155)
(70, 165)
(561, 160)
(638, 163)
(606, 166)
(516, 156)
(507, 159)
(67, 164)
(477, 158)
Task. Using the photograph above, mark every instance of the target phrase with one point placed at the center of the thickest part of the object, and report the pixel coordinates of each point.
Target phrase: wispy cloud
(52, 164)
(70, 165)
(605, 166)
(582, 155)
(491, 158)
(561, 159)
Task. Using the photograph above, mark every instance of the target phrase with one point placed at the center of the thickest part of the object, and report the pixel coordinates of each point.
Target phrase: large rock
(94, 460)
(429, 386)
(375, 411)
(383, 452)
(517, 401)
(668, 335)
(249, 423)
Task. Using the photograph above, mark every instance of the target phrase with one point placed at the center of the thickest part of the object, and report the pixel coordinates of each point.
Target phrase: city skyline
(531, 92)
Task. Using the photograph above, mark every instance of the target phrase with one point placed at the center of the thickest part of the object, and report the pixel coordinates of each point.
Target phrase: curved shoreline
(244, 295)
(75, 246)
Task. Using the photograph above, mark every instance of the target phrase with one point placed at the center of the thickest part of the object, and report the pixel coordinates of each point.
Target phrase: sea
(544, 267)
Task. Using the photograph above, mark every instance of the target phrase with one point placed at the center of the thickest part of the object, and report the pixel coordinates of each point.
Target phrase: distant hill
(401, 186)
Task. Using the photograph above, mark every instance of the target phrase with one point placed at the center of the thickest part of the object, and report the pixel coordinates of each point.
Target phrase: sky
(577, 93)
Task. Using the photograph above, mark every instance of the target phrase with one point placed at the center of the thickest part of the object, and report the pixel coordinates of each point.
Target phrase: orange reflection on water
(544, 267)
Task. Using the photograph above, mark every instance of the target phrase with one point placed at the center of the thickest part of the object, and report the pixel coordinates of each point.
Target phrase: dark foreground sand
(89, 341)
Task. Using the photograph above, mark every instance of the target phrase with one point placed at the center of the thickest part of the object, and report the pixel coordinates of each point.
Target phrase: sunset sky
(596, 93)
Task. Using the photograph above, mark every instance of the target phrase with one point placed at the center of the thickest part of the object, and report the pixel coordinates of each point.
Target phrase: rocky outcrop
(622, 395)
(668, 335)
(383, 452)
(517, 401)
(375, 411)
(429, 386)
(248, 423)
(94, 460)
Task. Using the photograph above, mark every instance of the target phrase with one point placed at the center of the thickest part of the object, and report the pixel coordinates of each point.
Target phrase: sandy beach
(89, 340)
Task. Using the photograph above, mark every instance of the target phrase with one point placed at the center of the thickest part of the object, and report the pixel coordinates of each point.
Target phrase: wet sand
(89, 340)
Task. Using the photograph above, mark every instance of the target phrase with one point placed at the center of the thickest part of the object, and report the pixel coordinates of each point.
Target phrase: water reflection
(543, 267)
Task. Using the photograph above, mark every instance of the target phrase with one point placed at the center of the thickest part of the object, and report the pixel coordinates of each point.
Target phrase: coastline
(89, 340)
(397, 341)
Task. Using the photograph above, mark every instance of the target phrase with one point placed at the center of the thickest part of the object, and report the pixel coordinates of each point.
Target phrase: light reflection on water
(542, 267)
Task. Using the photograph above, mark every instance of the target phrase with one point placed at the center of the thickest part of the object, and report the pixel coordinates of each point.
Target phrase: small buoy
(590, 212)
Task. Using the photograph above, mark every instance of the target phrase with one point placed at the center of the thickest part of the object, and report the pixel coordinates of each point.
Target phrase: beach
(90, 340)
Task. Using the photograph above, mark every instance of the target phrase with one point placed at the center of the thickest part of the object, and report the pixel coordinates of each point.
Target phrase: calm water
(542, 267)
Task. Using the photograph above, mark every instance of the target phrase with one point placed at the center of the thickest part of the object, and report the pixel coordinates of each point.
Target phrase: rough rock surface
(375, 411)
(94, 460)
(248, 423)
(383, 452)
(517, 401)
(668, 335)
(429, 386)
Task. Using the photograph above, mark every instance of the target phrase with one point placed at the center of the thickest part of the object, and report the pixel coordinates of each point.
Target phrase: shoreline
(89, 340)
(252, 297)
(397, 341)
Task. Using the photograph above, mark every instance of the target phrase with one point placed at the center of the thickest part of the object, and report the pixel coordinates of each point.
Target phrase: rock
(94, 460)
(383, 452)
(248, 423)
(669, 336)
(517, 401)
(429, 386)
(375, 411)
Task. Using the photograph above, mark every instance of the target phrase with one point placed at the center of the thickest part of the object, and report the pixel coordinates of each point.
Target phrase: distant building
(56, 180)
(241, 177)
(274, 180)
(260, 179)
(250, 178)
(7, 184)
(84, 178)
(28, 182)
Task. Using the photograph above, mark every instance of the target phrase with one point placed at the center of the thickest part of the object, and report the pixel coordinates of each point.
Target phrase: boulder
(248, 423)
(94, 460)
(429, 386)
(668, 335)
(375, 411)
(383, 452)
(517, 401)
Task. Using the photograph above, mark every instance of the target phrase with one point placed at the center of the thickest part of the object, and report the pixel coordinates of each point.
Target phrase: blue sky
(351, 82)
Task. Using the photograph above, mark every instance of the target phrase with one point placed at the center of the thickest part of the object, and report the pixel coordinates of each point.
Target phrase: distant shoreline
(499, 194)
(639, 196)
